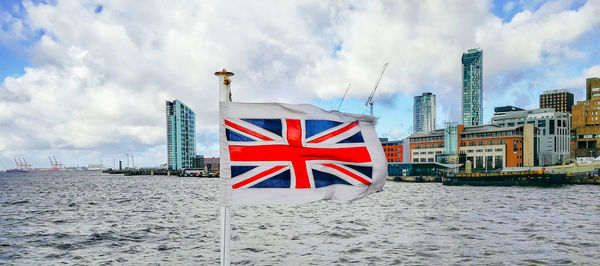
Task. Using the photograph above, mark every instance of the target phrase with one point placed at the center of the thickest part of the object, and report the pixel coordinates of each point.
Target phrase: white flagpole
(224, 96)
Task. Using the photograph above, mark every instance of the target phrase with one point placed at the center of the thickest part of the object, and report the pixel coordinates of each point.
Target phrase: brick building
(486, 146)
(393, 150)
(585, 129)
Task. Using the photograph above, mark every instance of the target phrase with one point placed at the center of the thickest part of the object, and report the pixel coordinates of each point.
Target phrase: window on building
(515, 149)
(542, 123)
(479, 162)
(480, 143)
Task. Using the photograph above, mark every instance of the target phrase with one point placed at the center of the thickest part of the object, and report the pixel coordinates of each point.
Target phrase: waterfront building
(585, 130)
(212, 164)
(181, 135)
(424, 112)
(552, 141)
(393, 150)
(485, 146)
(560, 100)
(472, 87)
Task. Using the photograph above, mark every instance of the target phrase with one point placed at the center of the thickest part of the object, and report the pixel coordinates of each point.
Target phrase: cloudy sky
(86, 80)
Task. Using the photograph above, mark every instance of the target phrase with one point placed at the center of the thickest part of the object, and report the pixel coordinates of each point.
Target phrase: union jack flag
(296, 154)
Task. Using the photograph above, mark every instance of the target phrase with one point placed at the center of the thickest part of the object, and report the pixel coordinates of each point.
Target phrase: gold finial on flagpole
(224, 82)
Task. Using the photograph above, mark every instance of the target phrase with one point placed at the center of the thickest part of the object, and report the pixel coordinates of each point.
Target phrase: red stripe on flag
(262, 153)
(334, 133)
(301, 174)
(256, 177)
(294, 132)
(348, 173)
(247, 131)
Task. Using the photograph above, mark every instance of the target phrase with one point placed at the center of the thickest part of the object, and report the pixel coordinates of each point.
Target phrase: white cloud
(100, 80)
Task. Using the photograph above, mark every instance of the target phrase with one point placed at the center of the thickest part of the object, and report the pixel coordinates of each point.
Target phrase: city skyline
(91, 86)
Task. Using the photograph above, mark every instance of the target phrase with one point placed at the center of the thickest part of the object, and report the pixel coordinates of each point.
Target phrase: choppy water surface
(93, 218)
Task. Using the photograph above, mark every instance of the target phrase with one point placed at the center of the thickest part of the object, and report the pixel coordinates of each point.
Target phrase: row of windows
(423, 160)
(481, 150)
(428, 139)
(482, 143)
(426, 152)
(490, 134)
(425, 146)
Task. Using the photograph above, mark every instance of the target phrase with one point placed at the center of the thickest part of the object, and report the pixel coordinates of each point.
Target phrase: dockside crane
(370, 99)
(54, 163)
(343, 97)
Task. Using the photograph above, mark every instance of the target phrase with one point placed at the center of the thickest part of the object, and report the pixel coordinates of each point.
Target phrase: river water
(94, 218)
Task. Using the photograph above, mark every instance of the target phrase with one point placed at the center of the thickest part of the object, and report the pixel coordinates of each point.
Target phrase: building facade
(472, 88)
(553, 129)
(559, 100)
(585, 130)
(212, 164)
(592, 88)
(198, 162)
(393, 150)
(487, 147)
(424, 112)
(181, 135)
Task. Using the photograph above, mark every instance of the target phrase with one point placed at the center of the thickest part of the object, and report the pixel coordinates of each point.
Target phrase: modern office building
(486, 147)
(181, 135)
(592, 88)
(585, 130)
(424, 112)
(393, 150)
(560, 100)
(553, 130)
(472, 87)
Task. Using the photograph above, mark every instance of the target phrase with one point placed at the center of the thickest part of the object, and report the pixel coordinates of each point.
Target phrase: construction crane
(343, 97)
(370, 99)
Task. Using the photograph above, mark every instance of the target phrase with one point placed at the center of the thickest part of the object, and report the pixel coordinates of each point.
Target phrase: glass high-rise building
(181, 135)
(472, 87)
(424, 113)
